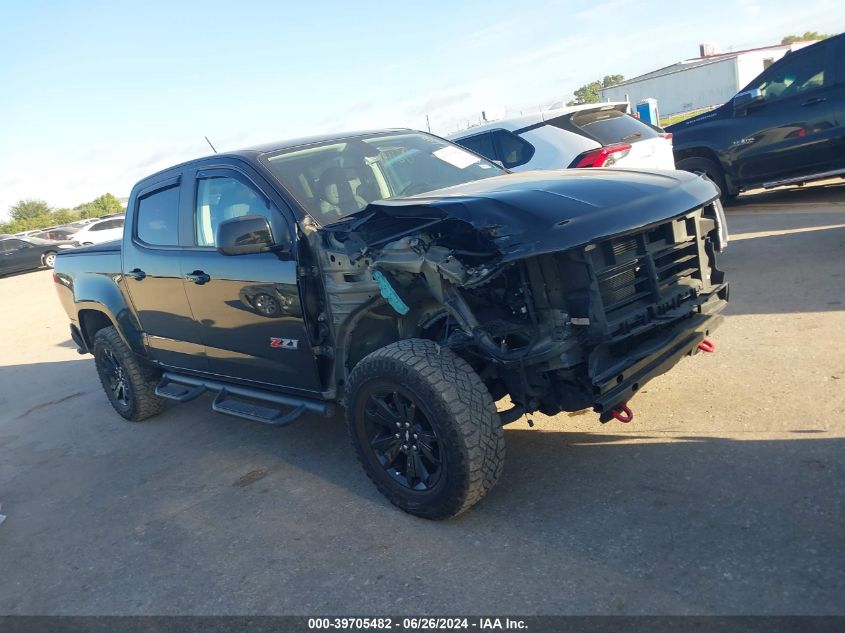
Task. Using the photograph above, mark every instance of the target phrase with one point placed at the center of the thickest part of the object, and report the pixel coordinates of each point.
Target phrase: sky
(96, 95)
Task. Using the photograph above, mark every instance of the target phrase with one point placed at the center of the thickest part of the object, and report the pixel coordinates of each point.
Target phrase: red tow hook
(707, 346)
(622, 413)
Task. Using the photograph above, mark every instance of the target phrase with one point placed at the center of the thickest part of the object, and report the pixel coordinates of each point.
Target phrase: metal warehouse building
(708, 80)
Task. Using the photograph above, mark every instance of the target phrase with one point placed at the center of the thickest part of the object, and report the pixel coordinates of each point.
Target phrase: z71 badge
(284, 343)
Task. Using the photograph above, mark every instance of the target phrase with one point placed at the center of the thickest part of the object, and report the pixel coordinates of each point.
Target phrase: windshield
(339, 177)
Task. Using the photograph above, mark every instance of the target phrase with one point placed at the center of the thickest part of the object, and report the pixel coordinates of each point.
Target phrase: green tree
(807, 37)
(104, 205)
(63, 216)
(29, 209)
(589, 93)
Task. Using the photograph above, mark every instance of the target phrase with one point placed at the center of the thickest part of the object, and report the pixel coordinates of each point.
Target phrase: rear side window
(158, 217)
(480, 144)
(605, 126)
(511, 149)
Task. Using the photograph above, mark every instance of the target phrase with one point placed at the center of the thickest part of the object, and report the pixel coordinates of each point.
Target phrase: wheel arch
(373, 326)
(93, 316)
(702, 151)
(698, 152)
(91, 321)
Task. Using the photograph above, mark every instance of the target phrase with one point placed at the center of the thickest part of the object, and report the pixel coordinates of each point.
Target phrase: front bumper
(616, 385)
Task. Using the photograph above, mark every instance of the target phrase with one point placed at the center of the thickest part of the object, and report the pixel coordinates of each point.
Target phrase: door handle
(813, 101)
(198, 277)
(137, 274)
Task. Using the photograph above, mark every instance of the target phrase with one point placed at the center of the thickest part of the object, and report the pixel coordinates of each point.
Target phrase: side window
(158, 218)
(224, 198)
(12, 245)
(513, 150)
(99, 227)
(480, 144)
(797, 73)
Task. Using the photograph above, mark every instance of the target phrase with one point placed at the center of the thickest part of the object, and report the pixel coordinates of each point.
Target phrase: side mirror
(747, 97)
(244, 235)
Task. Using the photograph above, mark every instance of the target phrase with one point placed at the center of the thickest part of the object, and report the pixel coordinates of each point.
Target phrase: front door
(792, 131)
(18, 255)
(248, 306)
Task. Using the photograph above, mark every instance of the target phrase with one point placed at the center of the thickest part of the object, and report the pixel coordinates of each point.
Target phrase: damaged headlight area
(556, 331)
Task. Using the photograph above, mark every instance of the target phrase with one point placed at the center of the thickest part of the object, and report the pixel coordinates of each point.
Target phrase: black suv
(785, 127)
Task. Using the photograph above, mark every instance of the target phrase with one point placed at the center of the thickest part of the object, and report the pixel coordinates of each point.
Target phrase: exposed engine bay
(560, 318)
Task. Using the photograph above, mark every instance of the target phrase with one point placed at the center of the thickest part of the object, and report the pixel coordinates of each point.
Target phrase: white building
(708, 80)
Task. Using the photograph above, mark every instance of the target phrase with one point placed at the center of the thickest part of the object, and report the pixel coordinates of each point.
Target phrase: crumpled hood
(538, 212)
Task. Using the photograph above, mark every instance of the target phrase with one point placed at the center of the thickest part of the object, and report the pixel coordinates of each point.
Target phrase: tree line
(33, 214)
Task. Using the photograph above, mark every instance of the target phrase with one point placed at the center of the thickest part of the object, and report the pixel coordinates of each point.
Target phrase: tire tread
(473, 419)
(144, 380)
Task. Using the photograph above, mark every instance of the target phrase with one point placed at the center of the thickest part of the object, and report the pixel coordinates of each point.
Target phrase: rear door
(247, 306)
(152, 268)
(793, 131)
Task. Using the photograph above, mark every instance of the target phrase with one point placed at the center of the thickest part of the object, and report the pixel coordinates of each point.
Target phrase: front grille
(643, 275)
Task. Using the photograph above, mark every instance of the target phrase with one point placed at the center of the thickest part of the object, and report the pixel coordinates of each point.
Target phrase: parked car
(407, 279)
(28, 253)
(60, 233)
(99, 231)
(785, 127)
(593, 135)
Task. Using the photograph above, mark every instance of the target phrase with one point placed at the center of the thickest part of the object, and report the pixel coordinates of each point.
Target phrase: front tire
(49, 259)
(425, 428)
(129, 386)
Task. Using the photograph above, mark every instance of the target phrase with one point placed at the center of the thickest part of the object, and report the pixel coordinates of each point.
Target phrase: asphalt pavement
(725, 495)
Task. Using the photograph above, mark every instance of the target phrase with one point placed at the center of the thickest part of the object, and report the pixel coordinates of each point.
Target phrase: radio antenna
(209, 142)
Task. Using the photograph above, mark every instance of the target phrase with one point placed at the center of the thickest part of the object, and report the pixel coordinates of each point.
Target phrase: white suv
(591, 135)
(100, 231)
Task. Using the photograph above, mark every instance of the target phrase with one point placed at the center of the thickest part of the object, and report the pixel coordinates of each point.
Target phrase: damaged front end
(557, 298)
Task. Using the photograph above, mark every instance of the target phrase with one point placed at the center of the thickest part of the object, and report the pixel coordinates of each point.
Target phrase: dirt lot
(726, 494)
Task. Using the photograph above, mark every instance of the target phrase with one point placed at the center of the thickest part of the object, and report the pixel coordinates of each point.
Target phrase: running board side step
(243, 402)
(175, 391)
(241, 409)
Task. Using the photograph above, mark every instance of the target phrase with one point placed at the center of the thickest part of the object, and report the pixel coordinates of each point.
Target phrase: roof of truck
(263, 148)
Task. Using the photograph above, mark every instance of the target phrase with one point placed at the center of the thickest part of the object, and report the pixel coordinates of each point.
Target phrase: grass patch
(666, 121)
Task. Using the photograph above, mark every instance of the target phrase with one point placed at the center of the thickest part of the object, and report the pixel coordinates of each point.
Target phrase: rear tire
(129, 385)
(49, 259)
(708, 168)
(450, 447)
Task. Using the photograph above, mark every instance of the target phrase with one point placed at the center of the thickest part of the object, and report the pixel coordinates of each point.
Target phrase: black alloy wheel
(401, 437)
(115, 377)
(424, 427)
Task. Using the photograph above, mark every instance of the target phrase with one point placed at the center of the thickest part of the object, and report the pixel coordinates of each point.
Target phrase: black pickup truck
(407, 279)
(785, 127)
